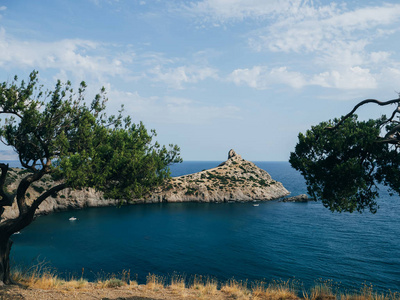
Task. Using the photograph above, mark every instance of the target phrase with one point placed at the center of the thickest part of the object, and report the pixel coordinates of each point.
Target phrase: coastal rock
(299, 198)
(232, 181)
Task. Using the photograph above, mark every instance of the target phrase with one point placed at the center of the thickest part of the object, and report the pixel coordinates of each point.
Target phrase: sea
(303, 243)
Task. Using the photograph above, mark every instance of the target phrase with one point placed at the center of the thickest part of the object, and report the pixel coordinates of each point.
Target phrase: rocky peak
(233, 180)
(233, 158)
(232, 155)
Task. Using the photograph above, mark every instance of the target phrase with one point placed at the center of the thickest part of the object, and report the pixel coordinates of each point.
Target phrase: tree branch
(45, 195)
(380, 103)
(22, 188)
(390, 134)
(11, 113)
(6, 198)
(397, 110)
(9, 226)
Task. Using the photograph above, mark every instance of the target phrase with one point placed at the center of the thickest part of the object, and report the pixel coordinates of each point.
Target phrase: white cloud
(338, 41)
(389, 78)
(294, 25)
(172, 110)
(351, 78)
(176, 77)
(261, 77)
(87, 59)
(379, 57)
(74, 56)
(237, 10)
(319, 27)
(100, 2)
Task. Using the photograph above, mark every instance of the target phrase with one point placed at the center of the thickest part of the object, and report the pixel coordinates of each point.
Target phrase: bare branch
(390, 134)
(389, 141)
(397, 110)
(380, 103)
(45, 195)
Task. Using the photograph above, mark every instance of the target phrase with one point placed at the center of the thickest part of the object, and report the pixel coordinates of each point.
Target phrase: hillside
(234, 180)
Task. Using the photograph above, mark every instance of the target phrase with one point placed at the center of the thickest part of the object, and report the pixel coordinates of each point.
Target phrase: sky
(212, 75)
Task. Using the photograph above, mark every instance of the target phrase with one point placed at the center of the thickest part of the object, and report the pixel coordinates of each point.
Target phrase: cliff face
(64, 200)
(234, 180)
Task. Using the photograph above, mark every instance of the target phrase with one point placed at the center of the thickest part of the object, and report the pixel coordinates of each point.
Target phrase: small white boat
(256, 204)
(72, 219)
(17, 232)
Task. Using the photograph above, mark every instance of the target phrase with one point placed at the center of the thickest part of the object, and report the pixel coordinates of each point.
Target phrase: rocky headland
(235, 180)
(232, 181)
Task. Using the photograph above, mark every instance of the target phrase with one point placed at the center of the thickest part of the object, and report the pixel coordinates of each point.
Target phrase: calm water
(275, 240)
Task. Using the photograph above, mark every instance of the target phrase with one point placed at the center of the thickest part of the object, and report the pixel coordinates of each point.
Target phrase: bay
(274, 241)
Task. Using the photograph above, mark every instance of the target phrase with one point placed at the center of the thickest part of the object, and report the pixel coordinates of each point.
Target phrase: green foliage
(221, 178)
(262, 182)
(342, 166)
(56, 132)
(191, 191)
(38, 189)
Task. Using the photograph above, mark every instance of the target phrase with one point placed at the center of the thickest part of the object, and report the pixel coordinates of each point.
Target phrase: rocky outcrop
(234, 180)
(299, 198)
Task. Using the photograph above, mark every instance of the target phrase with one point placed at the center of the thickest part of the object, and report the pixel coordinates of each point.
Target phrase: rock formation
(299, 198)
(234, 180)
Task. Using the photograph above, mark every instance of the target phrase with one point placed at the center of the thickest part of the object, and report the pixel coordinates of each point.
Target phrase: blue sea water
(274, 241)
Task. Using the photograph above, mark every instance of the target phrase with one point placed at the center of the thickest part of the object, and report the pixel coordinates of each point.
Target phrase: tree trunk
(10, 226)
(5, 247)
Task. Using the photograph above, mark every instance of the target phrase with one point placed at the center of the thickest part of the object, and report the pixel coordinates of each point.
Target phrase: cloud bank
(340, 43)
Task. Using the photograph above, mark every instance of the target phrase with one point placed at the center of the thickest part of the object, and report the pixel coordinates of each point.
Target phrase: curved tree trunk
(5, 247)
(8, 227)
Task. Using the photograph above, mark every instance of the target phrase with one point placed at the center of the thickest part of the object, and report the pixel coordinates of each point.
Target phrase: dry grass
(234, 289)
(177, 282)
(154, 282)
(178, 286)
(368, 293)
(321, 291)
(42, 279)
(275, 290)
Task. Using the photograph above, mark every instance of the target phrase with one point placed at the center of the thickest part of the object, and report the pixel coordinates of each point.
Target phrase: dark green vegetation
(57, 133)
(344, 160)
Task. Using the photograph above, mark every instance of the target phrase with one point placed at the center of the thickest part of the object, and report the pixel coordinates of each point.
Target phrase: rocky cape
(235, 180)
(232, 181)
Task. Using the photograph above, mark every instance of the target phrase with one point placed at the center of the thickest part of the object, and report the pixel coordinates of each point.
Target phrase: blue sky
(211, 75)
